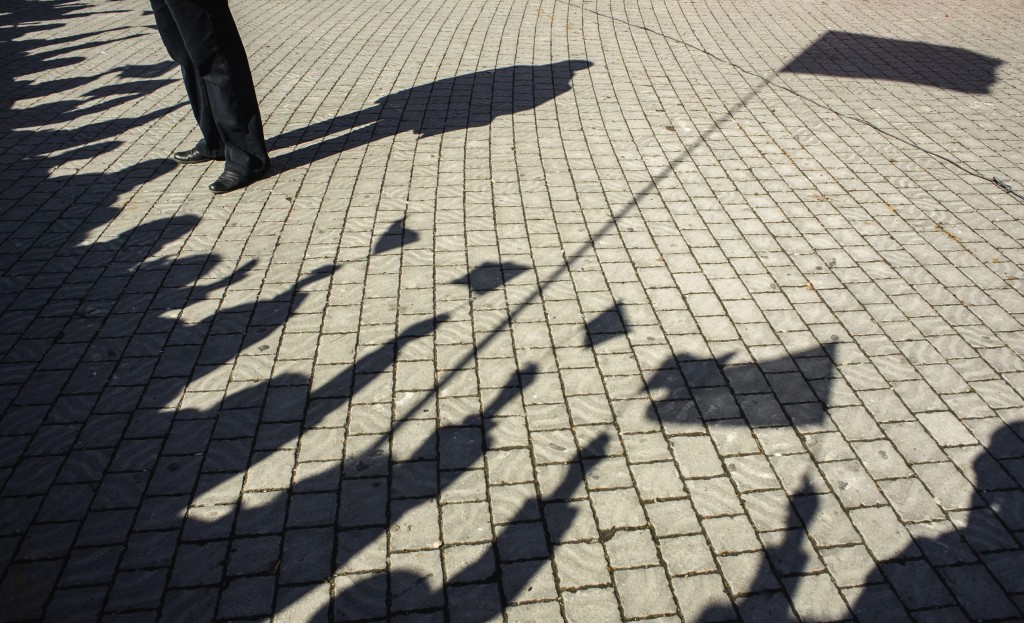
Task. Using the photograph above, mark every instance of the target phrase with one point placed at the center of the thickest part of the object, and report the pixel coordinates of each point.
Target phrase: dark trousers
(200, 35)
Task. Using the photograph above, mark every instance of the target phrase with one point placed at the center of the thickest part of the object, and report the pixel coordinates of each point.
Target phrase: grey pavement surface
(580, 310)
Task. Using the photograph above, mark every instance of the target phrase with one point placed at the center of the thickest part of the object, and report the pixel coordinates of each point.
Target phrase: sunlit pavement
(550, 310)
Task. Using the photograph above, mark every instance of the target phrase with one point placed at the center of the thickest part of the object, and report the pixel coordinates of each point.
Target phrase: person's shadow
(977, 567)
(458, 103)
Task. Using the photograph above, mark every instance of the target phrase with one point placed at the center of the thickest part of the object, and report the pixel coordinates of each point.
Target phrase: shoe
(230, 180)
(194, 156)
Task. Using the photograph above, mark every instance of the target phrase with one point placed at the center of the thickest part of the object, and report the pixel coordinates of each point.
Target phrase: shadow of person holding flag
(467, 101)
(980, 566)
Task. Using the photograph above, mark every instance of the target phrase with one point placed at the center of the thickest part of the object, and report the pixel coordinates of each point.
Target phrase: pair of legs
(201, 37)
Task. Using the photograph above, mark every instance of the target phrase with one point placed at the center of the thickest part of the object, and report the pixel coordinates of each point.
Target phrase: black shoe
(194, 156)
(230, 180)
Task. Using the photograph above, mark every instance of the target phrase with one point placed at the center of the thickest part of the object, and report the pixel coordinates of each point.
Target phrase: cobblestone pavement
(581, 310)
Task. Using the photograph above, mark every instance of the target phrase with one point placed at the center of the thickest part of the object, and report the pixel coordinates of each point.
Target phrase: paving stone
(90, 566)
(941, 543)
(673, 518)
(259, 555)
(246, 597)
(644, 592)
(848, 566)
(947, 484)
(976, 591)
(791, 552)
(852, 484)
(631, 548)
(881, 460)
(942, 614)
(581, 565)
(913, 442)
(571, 522)
(703, 595)
(474, 602)
(731, 535)
(982, 530)
(875, 602)
(745, 573)
(465, 523)
(696, 457)
(76, 604)
(520, 541)
(137, 590)
(515, 503)
(883, 534)
(714, 497)
(306, 555)
(618, 509)
(416, 583)
(911, 500)
(27, 587)
(766, 607)
(307, 602)
(815, 597)
(798, 474)
(917, 584)
(597, 604)
(540, 611)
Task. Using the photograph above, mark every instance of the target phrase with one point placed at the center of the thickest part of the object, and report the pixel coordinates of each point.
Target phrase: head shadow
(396, 237)
(490, 276)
